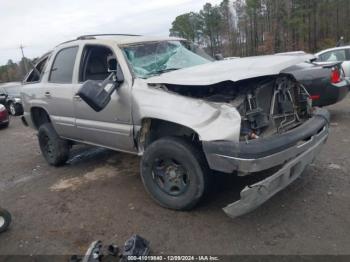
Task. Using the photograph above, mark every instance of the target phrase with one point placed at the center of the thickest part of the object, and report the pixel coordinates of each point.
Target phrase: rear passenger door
(58, 90)
(111, 127)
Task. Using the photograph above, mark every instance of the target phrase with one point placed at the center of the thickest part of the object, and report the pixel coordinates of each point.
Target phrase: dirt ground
(99, 195)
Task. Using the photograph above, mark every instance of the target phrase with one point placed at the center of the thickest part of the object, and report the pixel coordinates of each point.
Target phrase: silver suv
(164, 99)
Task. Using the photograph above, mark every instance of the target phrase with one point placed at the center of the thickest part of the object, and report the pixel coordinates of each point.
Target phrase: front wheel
(175, 173)
(5, 220)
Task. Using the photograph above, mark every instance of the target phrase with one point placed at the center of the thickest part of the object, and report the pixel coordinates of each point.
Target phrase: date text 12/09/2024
(173, 258)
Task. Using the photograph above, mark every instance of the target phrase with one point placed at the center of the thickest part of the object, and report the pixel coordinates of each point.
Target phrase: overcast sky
(42, 24)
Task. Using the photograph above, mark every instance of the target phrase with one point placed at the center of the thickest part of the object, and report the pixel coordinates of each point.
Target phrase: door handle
(48, 94)
(77, 98)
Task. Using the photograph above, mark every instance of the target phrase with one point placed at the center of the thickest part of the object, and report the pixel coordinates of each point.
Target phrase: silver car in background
(336, 54)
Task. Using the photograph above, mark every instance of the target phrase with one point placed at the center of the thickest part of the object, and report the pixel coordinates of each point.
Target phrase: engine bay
(268, 105)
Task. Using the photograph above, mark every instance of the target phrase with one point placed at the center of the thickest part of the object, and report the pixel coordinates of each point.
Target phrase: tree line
(14, 71)
(255, 27)
(251, 27)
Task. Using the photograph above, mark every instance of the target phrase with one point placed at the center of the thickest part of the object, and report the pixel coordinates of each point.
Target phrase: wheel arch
(154, 128)
(39, 116)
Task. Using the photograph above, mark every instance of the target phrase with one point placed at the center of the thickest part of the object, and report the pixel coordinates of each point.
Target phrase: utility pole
(24, 59)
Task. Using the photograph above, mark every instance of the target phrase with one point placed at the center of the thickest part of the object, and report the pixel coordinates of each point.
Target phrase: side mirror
(98, 95)
(112, 65)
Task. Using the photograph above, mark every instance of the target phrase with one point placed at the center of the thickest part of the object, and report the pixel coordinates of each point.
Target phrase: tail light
(3, 112)
(336, 75)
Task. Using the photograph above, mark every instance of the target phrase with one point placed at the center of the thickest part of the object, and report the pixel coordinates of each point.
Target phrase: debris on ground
(5, 220)
(334, 166)
(135, 246)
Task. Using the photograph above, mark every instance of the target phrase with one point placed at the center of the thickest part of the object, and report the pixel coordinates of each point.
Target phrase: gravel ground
(99, 195)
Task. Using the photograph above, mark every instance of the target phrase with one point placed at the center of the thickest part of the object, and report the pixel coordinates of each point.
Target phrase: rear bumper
(263, 154)
(4, 121)
(330, 94)
(254, 195)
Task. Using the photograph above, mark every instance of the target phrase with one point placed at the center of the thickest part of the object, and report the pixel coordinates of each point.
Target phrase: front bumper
(293, 151)
(262, 154)
(254, 195)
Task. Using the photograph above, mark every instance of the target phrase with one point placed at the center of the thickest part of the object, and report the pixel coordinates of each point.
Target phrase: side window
(334, 56)
(94, 63)
(348, 54)
(63, 65)
(2, 91)
(35, 75)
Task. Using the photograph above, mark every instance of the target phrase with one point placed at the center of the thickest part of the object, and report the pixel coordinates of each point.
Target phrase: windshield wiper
(164, 71)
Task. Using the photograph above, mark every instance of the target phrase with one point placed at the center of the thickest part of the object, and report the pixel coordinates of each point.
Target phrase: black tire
(5, 220)
(5, 125)
(53, 148)
(187, 158)
(15, 109)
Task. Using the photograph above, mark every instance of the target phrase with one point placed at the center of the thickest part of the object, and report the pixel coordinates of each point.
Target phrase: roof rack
(83, 37)
(89, 37)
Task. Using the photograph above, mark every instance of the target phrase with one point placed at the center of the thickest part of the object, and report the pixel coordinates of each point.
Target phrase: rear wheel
(175, 173)
(53, 148)
(5, 220)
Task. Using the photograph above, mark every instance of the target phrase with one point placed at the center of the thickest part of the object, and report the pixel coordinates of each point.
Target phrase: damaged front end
(279, 131)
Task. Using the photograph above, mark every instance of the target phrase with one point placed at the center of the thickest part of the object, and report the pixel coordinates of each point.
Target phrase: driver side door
(111, 127)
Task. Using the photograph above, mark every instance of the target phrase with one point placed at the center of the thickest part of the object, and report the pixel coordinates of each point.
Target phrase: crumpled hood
(230, 70)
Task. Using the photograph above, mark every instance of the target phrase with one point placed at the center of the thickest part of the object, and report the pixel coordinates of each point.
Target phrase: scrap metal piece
(135, 246)
(94, 253)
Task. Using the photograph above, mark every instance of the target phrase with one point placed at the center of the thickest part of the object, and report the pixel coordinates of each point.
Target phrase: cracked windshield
(149, 59)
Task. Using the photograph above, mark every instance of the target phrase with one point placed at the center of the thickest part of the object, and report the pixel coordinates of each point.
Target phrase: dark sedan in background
(13, 101)
(325, 82)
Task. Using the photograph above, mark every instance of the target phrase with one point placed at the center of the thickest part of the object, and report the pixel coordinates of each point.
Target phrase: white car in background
(336, 54)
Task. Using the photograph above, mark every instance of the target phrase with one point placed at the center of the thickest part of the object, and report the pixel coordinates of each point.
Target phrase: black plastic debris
(135, 246)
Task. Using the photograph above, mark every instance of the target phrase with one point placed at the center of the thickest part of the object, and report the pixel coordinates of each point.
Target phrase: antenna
(24, 59)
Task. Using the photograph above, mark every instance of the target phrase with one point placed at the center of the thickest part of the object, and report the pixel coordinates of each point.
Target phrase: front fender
(211, 121)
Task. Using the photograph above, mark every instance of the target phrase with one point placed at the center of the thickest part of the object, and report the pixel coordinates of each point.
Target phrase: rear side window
(63, 65)
(348, 54)
(36, 74)
(334, 56)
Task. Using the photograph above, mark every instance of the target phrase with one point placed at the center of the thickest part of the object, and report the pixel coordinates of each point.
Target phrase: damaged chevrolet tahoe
(164, 99)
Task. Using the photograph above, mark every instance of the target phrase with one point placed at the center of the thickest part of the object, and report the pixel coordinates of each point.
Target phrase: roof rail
(93, 36)
(89, 37)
